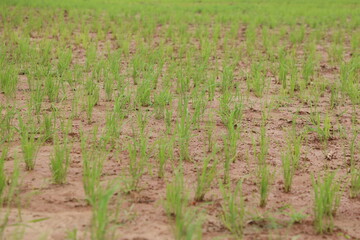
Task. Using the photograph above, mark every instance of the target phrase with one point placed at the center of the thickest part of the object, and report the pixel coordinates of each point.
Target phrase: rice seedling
(322, 126)
(355, 41)
(91, 102)
(92, 170)
(142, 120)
(211, 86)
(6, 123)
(256, 80)
(165, 153)
(72, 234)
(334, 97)
(326, 201)
(297, 36)
(29, 143)
(183, 129)
(93, 162)
(294, 145)
(206, 176)
(8, 81)
(250, 39)
(2, 171)
(138, 159)
(168, 120)
(49, 125)
(37, 97)
(52, 88)
(121, 106)
(233, 210)
(9, 195)
(97, 73)
(354, 171)
(91, 88)
(90, 56)
(296, 217)
(75, 105)
(176, 195)
(109, 88)
(336, 53)
(227, 78)
(261, 154)
(136, 63)
(113, 125)
(264, 184)
(290, 157)
(64, 61)
(307, 71)
(283, 68)
(354, 182)
(230, 115)
(288, 170)
(293, 81)
(161, 100)
(102, 220)
(230, 149)
(143, 93)
(209, 128)
(346, 77)
(199, 108)
(188, 226)
(183, 83)
(60, 161)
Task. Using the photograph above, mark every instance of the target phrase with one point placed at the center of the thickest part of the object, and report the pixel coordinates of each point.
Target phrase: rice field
(185, 120)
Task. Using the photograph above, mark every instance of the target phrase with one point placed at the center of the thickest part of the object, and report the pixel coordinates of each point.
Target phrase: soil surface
(50, 211)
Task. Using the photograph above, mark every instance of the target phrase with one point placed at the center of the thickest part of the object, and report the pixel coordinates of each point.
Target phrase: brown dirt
(64, 208)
